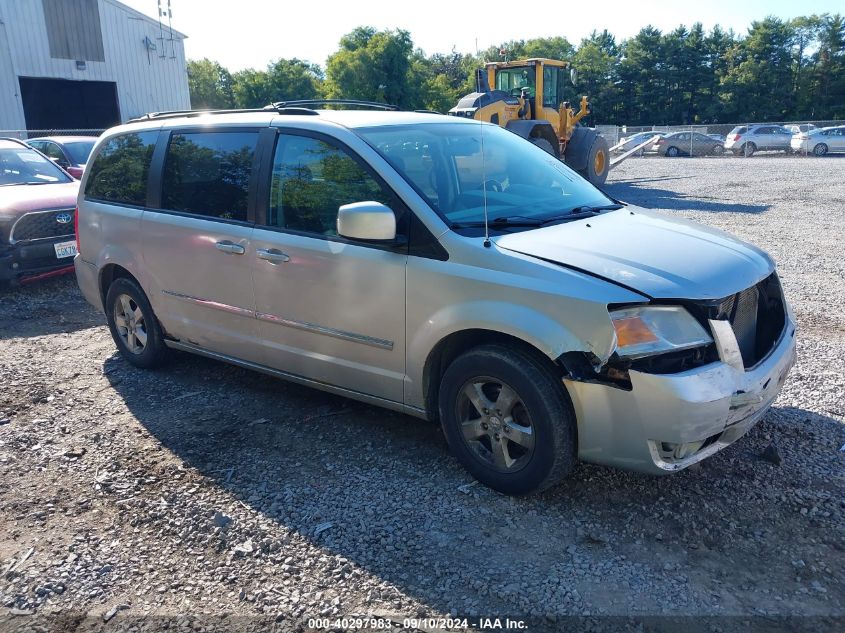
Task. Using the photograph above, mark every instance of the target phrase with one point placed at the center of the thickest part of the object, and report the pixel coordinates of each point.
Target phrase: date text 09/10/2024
(378, 623)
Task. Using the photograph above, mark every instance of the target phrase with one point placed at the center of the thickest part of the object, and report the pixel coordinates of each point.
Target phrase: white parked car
(801, 128)
(820, 141)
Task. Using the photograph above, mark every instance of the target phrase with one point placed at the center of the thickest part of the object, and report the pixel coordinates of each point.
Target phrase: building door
(61, 104)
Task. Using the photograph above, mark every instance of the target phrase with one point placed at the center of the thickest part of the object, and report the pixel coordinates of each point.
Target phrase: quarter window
(208, 173)
(120, 170)
(312, 179)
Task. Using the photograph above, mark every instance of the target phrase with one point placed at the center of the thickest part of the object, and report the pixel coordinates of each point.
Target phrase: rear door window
(208, 173)
(120, 170)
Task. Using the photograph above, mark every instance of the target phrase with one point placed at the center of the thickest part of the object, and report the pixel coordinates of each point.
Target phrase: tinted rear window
(120, 170)
(208, 173)
(739, 130)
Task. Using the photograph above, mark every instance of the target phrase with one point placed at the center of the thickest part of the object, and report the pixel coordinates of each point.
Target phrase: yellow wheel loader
(528, 99)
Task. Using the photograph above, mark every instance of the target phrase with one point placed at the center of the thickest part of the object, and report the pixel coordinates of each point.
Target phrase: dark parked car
(68, 152)
(687, 144)
(37, 214)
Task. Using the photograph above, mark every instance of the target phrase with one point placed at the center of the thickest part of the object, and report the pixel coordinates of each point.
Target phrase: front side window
(312, 179)
(119, 172)
(445, 163)
(208, 173)
(21, 165)
(513, 80)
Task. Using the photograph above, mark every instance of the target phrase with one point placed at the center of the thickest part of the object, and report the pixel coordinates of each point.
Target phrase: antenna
(484, 188)
(161, 30)
(170, 26)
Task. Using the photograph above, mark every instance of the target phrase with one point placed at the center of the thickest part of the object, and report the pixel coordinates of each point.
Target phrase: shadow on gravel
(639, 192)
(52, 306)
(381, 489)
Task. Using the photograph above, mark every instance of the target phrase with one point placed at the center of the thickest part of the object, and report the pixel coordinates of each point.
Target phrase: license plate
(65, 249)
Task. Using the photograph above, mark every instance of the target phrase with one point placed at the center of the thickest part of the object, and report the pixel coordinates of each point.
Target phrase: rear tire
(673, 152)
(134, 326)
(508, 419)
(820, 149)
(748, 150)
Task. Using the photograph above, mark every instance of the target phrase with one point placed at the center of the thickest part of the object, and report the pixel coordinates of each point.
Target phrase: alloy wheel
(495, 424)
(131, 324)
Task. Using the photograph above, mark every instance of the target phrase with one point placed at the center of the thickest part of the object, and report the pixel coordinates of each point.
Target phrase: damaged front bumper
(666, 422)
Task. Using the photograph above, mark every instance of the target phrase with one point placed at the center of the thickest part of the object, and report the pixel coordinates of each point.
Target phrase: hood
(661, 257)
(15, 200)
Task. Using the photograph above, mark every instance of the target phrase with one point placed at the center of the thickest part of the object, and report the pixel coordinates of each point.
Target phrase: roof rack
(376, 105)
(171, 114)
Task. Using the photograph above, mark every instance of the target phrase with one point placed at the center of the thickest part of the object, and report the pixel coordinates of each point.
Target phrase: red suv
(37, 214)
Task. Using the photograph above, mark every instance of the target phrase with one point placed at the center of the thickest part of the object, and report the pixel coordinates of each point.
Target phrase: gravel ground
(204, 496)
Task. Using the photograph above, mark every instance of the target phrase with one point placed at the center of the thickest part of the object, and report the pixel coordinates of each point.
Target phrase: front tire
(508, 419)
(134, 326)
(544, 145)
(598, 162)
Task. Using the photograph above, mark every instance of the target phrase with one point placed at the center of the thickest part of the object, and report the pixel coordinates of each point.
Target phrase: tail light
(76, 227)
(804, 137)
(737, 137)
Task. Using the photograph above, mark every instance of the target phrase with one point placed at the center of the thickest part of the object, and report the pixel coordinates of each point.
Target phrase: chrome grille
(40, 225)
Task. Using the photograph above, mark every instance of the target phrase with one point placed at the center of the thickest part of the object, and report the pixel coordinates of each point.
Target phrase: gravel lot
(203, 492)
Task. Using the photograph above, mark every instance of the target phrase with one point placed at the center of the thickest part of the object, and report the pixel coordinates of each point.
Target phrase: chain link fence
(28, 134)
(727, 139)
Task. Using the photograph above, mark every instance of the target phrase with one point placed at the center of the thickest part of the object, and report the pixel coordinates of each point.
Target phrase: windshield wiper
(583, 211)
(586, 208)
(510, 220)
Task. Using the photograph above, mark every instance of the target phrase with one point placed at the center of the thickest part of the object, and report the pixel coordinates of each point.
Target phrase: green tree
(209, 84)
(375, 66)
(284, 80)
(758, 83)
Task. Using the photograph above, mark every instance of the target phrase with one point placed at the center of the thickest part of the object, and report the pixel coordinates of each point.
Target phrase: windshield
(79, 151)
(24, 166)
(445, 164)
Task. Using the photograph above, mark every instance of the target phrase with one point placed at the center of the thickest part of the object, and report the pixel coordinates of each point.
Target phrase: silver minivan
(440, 267)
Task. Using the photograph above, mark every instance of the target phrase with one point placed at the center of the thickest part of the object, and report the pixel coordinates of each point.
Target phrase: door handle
(230, 247)
(272, 255)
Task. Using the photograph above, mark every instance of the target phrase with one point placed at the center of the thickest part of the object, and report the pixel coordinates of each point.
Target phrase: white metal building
(86, 64)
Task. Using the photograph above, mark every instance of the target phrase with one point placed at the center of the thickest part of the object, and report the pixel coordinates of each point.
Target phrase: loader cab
(548, 84)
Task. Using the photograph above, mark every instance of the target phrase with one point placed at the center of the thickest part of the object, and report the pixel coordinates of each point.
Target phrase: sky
(250, 33)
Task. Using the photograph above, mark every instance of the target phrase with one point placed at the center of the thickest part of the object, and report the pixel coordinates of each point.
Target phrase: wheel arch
(108, 274)
(529, 129)
(453, 345)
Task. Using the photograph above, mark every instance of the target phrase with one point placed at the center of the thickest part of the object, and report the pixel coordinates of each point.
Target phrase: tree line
(779, 70)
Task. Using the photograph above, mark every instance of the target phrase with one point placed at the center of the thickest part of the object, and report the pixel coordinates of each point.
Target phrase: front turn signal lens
(648, 330)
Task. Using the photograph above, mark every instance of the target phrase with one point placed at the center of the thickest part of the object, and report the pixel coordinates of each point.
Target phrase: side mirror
(369, 221)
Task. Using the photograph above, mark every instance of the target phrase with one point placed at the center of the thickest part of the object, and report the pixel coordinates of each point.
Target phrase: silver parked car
(746, 140)
(687, 144)
(385, 257)
(820, 141)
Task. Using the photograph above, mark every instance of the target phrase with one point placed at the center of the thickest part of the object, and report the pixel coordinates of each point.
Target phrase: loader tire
(544, 145)
(598, 162)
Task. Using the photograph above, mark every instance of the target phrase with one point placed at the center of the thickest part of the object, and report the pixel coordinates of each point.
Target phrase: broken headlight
(648, 330)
